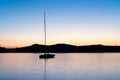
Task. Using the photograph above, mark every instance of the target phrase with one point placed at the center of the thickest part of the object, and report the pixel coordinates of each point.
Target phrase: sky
(76, 22)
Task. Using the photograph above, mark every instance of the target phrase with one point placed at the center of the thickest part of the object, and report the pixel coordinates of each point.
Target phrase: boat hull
(47, 56)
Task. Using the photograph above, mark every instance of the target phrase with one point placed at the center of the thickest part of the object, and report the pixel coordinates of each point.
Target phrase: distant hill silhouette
(62, 48)
(3, 49)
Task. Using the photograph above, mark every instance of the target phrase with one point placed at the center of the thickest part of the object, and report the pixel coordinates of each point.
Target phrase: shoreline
(62, 48)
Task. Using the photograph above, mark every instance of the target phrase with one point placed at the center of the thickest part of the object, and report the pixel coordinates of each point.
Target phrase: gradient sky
(77, 22)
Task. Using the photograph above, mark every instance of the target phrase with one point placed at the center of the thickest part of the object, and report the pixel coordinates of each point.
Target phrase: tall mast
(46, 55)
(45, 30)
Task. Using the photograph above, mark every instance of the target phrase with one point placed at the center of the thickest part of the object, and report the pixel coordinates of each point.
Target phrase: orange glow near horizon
(73, 38)
(77, 43)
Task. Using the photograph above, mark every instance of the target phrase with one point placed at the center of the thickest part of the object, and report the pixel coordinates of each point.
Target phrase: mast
(45, 41)
(45, 56)
(45, 30)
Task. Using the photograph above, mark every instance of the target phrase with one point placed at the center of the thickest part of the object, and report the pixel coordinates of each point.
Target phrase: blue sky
(78, 22)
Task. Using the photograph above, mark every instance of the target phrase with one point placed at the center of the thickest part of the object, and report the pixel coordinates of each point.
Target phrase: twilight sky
(77, 22)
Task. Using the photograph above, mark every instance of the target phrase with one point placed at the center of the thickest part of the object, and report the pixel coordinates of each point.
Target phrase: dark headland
(61, 48)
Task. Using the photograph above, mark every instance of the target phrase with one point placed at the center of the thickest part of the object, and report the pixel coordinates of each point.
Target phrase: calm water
(72, 66)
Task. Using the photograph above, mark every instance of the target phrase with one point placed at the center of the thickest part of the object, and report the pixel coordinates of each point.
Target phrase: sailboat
(46, 55)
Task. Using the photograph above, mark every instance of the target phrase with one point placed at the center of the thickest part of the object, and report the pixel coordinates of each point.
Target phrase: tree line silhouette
(61, 48)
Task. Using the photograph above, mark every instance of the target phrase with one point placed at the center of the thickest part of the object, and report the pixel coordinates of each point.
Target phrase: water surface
(70, 66)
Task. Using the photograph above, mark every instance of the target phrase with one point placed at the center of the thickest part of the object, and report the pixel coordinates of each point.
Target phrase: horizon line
(57, 44)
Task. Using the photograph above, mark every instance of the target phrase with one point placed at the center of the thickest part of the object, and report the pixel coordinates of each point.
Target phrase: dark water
(72, 66)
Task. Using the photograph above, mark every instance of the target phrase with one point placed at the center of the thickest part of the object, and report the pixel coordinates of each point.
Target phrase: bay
(65, 66)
